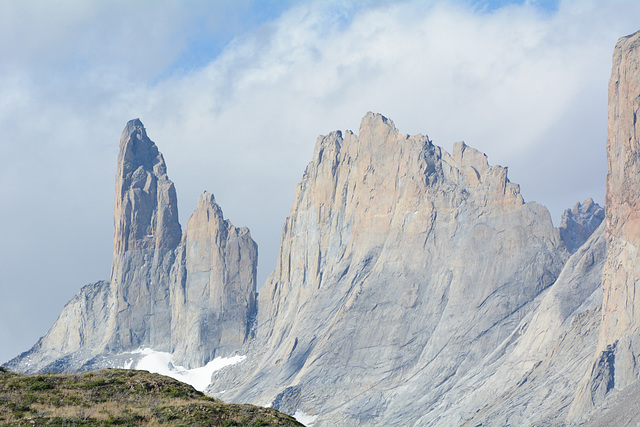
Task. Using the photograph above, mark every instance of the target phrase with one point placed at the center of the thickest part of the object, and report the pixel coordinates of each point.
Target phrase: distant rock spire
(577, 224)
(146, 208)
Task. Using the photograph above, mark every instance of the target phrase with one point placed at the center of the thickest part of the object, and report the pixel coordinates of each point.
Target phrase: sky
(235, 93)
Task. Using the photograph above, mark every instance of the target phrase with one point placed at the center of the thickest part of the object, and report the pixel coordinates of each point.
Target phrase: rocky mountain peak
(191, 295)
(205, 220)
(146, 209)
(578, 223)
(375, 280)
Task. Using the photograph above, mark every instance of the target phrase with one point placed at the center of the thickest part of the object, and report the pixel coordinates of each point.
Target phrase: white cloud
(526, 86)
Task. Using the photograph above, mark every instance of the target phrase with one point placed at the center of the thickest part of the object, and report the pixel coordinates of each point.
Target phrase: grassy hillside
(120, 397)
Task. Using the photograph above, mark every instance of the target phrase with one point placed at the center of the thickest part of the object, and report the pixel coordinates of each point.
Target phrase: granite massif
(408, 277)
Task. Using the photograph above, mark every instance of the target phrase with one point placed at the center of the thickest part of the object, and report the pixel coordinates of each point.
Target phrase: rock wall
(401, 268)
(615, 367)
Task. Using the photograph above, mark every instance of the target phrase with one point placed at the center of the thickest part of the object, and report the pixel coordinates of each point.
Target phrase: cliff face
(146, 234)
(401, 267)
(193, 295)
(615, 364)
(213, 287)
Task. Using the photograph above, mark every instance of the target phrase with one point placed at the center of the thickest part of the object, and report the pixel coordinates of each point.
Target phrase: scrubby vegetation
(119, 397)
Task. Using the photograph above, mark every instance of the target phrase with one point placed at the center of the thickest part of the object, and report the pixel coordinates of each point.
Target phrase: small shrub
(100, 382)
(174, 392)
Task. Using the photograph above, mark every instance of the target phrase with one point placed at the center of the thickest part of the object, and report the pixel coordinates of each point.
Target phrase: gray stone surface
(213, 292)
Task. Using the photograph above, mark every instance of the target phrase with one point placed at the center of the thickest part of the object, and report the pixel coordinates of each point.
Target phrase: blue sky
(235, 94)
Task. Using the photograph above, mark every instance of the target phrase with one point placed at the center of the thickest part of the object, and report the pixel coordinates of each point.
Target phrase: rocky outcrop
(193, 295)
(401, 268)
(214, 287)
(615, 366)
(577, 224)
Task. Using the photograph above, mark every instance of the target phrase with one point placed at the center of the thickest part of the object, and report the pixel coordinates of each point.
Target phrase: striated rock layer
(402, 267)
(191, 294)
(615, 365)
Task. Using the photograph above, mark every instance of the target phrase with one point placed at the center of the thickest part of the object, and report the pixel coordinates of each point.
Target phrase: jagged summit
(578, 223)
(146, 209)
(214, 298)
(401, 266)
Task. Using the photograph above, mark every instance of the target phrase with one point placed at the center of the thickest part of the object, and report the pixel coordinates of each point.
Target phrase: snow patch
(159, 362)
(305, 419)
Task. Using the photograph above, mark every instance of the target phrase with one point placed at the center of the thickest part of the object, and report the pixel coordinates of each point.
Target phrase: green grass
(114, 397)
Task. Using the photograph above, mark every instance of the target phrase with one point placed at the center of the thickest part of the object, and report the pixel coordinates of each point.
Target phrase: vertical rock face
(146, 207)
(214, 287)
(193, 295)
(579, 223)
(615, 365)
(401, 267)
(146, 234)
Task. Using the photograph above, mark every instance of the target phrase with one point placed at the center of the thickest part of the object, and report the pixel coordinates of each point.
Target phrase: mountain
(402, 268)
(413, 287)
(192, 294)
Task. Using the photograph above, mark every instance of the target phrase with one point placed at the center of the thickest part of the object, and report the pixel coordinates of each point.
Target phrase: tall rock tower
(147, 233)
(616, 364)
(213, 293)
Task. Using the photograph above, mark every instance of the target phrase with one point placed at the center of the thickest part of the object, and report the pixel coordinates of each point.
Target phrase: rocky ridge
(578, 223)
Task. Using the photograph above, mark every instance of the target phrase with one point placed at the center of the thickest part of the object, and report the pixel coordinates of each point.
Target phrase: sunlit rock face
(192, 294)
(615, 365)
(401, 268)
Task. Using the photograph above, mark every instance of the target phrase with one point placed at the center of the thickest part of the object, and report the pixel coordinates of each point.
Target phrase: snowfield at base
(305, 419)
(159, 362)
